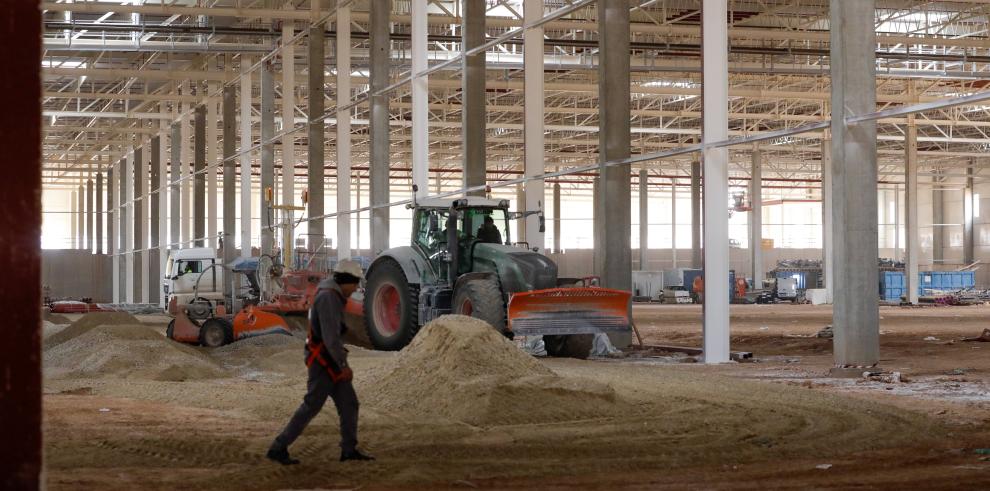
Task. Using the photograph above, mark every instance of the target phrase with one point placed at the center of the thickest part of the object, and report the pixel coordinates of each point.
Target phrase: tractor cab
(445, 231)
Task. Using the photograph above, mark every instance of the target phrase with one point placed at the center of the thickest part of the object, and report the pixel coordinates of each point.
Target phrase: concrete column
(378, 174)
(968, 215)
(139, 257)
(533, 109)
(913, 241)
(696, 260)
(344, 131)
(756, 218)
(267, 159)
(89, 216)
(229, 186)
(473, 94)
(613, 259)
(673, 223)
(288, 141)
(828, 236)
(127, 226)
(112, 214)
(199, 177)
(74, 219)
(175, 191)
(99, 212)
(520, 204)
(556, 218)
(186, 151)
(212, 168)
(715, 80)
(644, 224)
(154, 282)
(938, 218)
(246, 142)
(316, 132)
(420, 100)
(856, 316)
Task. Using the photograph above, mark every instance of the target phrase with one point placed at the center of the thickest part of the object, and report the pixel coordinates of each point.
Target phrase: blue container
(945, 281)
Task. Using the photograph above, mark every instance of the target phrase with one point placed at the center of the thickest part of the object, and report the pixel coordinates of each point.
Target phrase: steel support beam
(535, 153)
(199, 179)
(378, 174)
(715, 102)
(420, 100)
(756, 218)
(696, 261)
(473, 118)
(265, 212)
(227, 243)
(613, 224)
(316, 135)
(247, 142)
(856, 315)
(344, 131)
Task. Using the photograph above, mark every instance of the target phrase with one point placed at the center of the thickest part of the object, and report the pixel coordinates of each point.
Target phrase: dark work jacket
(326, 321)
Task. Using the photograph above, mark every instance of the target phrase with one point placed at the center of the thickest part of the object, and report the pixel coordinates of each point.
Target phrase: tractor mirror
(543, 224)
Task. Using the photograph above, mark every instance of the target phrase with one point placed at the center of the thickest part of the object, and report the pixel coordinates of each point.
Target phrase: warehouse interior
(739, 243)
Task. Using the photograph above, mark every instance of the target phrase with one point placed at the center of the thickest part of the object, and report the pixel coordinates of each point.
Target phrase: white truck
(184, 269)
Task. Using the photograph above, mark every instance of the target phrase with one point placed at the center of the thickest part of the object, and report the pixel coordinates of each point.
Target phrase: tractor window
(430, 236)
(487, 224)
(186, 267)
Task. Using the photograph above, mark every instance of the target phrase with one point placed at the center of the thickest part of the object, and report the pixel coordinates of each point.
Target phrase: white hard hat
(350, 267)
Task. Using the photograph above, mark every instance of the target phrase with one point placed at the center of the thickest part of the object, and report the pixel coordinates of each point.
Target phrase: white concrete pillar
(74, 219)
(246, 143)
(533, 121)
(673, 223)
(715, 77)
(128, 226)
(288, 141)
(827, 234)
(212, 167)
(113, 212)
(344, 131)
(644, 224)
(420, 100)
(267, 173)
(186, 146)
(756, 218)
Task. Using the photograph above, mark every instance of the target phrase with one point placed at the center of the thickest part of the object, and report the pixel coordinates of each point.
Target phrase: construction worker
(329, 373)
(488, 232)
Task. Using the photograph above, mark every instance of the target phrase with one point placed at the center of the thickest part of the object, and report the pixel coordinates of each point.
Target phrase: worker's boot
(354, 455)
(281, 455)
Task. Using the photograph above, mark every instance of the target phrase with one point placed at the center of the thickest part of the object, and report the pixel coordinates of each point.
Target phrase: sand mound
(279, 353)
(49, 329)
(55, 318)
(461, 368)
(126, 351)
(90, 321)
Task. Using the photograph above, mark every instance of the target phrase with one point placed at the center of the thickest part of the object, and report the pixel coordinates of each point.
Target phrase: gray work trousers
(318, 388)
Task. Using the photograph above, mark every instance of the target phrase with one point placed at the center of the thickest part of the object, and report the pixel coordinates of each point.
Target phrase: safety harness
(315, 349)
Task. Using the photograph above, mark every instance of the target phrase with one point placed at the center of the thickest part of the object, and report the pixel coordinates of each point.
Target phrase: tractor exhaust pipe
(452, 247)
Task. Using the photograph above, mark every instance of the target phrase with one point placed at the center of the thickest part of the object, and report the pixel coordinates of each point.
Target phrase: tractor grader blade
(565, 311)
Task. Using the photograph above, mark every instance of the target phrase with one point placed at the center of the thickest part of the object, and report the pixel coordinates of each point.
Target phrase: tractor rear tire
(481, 298)
(215, 333)
(569, 346)
(390, 307)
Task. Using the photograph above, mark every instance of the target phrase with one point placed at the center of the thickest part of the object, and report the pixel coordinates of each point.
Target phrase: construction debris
(984, 337)
(825, 332)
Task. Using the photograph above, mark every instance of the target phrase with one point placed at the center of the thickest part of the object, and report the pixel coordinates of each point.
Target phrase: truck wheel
(215, 333)
(481, 298)
(390, 307)
(569, 346)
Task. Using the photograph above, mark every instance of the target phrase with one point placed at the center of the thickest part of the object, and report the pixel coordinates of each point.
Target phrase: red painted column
(20, 239)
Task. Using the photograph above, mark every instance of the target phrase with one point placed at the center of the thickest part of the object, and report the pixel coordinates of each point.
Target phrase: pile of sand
(460, 368)
(278, 353)
(55, 318)
(123, 351)
(88, 322)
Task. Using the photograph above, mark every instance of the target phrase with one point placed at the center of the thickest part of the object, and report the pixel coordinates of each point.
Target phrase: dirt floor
(775, 422)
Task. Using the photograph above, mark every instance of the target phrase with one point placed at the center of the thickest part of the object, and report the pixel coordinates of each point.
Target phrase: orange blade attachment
(252, 321)
(559, 311)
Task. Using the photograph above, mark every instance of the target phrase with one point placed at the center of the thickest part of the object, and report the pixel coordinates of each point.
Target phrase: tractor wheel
(215, 333)
(390, 307)
(482, 299)
(569, 346)
(170, 330)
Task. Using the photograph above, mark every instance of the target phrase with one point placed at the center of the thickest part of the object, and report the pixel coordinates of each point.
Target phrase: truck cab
(193, 277)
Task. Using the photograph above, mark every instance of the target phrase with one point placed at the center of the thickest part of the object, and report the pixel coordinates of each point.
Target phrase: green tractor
(462, 261)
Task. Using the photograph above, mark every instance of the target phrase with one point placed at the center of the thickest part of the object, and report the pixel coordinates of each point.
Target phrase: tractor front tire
(569, 346)
(215, 333)
(390, 307)
(170, 330)
(481, 298)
